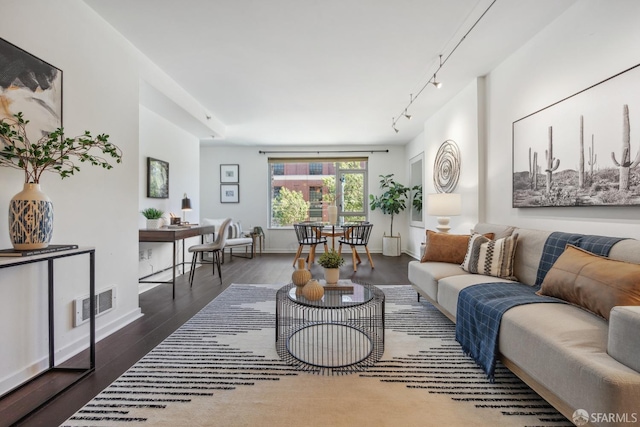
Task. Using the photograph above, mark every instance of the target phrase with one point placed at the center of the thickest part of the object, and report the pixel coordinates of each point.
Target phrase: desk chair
(216, 248)
(309, 235)
(357, 235)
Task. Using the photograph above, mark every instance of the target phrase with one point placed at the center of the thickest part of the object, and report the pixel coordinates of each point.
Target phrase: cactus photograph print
(583, 150)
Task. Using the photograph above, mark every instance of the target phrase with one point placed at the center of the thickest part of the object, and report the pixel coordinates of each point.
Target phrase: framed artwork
(31, 86)
(229, 173)
(229, 193)
(578, 151)
(446, 167)
(157, 179)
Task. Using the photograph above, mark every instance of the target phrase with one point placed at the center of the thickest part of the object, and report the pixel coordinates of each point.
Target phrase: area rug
(221, 369)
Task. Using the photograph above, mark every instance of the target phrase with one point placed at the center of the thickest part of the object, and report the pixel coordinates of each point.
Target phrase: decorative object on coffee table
(301, 276)
(31, 211)
(331, 261)
(313, 290)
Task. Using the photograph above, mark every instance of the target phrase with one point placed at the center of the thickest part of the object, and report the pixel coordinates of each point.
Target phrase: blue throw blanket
(557, 241)
(480, 310)
(480, 307)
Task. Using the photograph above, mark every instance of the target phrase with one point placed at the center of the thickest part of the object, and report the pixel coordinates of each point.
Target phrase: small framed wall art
(157, 178)
(229, 193)
(229, 173)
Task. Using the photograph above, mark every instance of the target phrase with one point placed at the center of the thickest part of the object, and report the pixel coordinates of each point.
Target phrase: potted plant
(154, 217)
(331, 261)
(392, 201)
(31, 211)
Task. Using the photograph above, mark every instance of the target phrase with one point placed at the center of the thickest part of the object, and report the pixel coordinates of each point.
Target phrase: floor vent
(105, 302)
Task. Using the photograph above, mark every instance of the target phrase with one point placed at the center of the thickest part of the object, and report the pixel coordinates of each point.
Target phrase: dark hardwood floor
(163, 315)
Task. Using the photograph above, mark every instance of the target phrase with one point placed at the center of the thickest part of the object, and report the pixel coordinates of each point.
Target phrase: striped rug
(221, 369)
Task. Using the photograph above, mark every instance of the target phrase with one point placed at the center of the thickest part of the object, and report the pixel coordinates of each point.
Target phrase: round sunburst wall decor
(446, 168)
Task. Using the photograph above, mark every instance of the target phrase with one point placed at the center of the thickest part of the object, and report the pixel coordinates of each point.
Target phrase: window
(315, 168)
(302, 190)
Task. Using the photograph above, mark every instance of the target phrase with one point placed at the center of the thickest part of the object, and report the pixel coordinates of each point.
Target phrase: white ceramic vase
(331, 275)
(332, 210)
(30, 218)
(154, 223)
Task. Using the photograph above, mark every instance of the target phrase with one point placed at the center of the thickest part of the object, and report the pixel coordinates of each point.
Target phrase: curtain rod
(323, 151)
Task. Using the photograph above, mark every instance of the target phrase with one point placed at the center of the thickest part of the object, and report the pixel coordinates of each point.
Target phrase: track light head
(407, 115)
(436, 83)
(394, 128)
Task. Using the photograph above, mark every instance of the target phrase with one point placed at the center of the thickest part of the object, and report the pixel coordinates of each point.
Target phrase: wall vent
(105, 302)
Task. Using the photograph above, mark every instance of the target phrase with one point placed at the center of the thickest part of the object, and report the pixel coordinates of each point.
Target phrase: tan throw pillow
(445, 247)
(491, 257)
(593, 282)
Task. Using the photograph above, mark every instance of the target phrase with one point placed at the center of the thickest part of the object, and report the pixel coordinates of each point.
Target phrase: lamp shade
(444, 204)
(186, 203)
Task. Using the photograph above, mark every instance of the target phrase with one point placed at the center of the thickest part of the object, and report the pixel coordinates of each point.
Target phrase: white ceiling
(324, 72)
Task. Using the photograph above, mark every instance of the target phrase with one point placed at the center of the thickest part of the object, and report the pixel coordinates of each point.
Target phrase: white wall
(591, 41)
(254, 190)
(94, 208)
(459, 121)
(163, 140)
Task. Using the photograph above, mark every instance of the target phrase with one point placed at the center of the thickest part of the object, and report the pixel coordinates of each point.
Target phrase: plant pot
(30, 218)
(154, 223)
(391, 245)
(331, 275)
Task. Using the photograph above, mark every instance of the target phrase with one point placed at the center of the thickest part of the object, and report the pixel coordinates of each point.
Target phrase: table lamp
(444, 205)
(186, 206)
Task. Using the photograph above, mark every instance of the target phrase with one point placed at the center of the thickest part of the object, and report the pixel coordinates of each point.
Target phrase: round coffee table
(341, 333)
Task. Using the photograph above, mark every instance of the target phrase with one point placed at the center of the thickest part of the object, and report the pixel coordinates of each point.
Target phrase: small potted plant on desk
(331, 261)
(154, 217)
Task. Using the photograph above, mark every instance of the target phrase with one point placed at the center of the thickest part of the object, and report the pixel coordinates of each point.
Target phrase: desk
(14, 406)
(173, 235)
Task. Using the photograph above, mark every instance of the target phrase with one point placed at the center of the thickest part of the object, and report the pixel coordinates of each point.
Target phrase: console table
(18, 403)
(173, 235)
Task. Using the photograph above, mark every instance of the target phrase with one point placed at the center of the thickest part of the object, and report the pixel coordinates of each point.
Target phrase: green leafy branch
(53, 152)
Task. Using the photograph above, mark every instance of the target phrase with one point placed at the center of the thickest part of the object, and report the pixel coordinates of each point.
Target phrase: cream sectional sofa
(571, 357)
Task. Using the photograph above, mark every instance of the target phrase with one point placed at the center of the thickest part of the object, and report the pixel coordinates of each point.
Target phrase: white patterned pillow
(491, 257)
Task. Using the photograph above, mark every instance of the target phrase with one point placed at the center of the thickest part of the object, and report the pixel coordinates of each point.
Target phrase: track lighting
(434, 81)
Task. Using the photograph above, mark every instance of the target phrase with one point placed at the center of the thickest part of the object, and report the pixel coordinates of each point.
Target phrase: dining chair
(309, 234)
(216, 248)
(356, 235)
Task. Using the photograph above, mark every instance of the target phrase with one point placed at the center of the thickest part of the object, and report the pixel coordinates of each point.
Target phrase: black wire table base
(340, 334)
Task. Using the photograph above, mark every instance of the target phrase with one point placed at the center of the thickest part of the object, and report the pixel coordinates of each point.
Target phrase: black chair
(216, 248)
(309, 235)
(357, 235)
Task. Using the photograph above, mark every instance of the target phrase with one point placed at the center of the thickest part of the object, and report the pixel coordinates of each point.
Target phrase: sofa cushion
(593, 282)
(528, 254)
(564, 348)
(449, 288)
(425, 276)
(624, 340)
(445, 247)
(491, 257)
(498, 231)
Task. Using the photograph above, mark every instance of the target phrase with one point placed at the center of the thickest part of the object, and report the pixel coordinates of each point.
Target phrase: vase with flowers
(31, 211)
